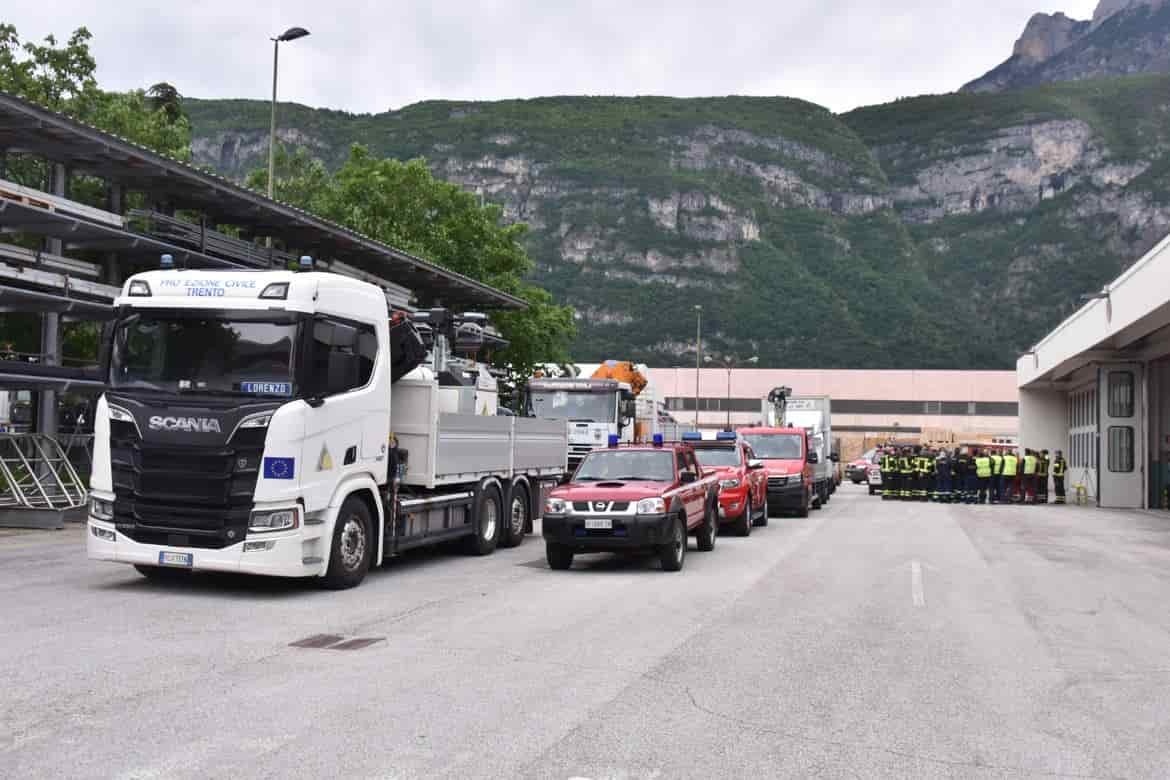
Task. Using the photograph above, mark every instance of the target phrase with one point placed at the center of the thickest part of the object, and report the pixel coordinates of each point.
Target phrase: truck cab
(634, 497)
(596, 409)
(788, 461)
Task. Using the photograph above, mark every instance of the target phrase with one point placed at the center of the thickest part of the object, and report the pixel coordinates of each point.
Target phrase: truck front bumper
(790, 496)
(282, 554)
(732, 505)
(629, 532)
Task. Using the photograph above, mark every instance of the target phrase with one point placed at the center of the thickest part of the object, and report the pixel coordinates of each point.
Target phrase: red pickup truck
(743, 483)
(644, 497)
(788, 460)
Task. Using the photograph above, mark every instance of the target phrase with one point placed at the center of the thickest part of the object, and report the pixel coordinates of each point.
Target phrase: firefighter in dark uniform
(962, 466)
(1059, 469)
(942, 476)
(926, 474)
(906, 475)
(889, 468)
(1043, 465)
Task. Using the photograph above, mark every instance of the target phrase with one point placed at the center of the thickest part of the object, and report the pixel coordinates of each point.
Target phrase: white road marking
(916, 591)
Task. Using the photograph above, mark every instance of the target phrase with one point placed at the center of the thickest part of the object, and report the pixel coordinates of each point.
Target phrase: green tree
(404, 205)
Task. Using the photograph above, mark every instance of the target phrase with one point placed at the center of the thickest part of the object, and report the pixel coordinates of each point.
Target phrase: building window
(1121, 394)
(1121, 449)
(932, 407)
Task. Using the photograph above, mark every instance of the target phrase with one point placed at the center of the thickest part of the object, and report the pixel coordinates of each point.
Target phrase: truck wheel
(559, 556)
(743, 526)
(709, 530)
(803, 511)
(488, 517)
(819, 503)
(516, 526)
(673, 554)
(162, 573)
(353, 545)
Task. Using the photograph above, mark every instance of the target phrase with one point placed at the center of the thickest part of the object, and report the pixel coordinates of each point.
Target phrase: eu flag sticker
(280, 468)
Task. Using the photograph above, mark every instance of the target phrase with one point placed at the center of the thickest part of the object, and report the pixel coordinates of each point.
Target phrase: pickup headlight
(555, 506)
(274, 520)
(729, 483)
(100, 509)
(651, 506)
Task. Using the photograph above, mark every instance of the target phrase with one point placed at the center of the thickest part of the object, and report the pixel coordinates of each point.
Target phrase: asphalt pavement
(869, 640)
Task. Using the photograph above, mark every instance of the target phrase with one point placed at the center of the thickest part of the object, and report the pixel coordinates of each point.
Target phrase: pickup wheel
(512, 534)
(743, 526)
(488, 519)
(559, 556)
(353, 545)
(803, 511)
(673, 554)
(709, 530)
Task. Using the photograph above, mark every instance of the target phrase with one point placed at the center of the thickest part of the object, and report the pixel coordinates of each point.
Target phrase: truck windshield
(562, 405)
(717, 457)
(230, 353)
(627, 465)
(775, 446)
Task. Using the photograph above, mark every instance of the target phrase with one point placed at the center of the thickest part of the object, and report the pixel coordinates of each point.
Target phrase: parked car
(743, 481)
(788, 462)
(858, 470)
(633, 498)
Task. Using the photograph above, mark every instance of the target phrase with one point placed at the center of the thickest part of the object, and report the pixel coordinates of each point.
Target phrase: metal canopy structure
(26, 127)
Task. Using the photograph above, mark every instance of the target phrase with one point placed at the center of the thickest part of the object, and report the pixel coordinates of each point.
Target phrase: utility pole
(698, 357)
(291, 34)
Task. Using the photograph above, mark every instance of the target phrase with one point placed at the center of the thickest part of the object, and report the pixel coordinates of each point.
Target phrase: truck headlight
(651, 506)
(555, 506)
(273, 520)
(729, 483)
(100, 509)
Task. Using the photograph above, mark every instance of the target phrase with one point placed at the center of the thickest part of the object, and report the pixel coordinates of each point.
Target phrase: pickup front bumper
(629, 532)
(786, 496)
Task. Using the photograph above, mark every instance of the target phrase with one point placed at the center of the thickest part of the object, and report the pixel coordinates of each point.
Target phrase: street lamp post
(729, 363)
(291, 34)
(698, 357)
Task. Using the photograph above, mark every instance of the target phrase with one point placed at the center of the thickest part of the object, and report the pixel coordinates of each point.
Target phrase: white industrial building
(1098, 388)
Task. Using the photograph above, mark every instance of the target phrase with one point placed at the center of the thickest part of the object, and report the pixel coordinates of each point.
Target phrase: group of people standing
(971, 475)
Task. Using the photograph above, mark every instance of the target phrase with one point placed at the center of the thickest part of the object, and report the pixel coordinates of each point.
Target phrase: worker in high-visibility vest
(1011, 468)
(996, 476)
(1031, 463)
(982, 475)
(1059, 469)
(889, 468)
(1042, 468)
(906, 475)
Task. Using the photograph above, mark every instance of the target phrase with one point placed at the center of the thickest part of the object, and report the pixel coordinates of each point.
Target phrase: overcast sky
(372, 57)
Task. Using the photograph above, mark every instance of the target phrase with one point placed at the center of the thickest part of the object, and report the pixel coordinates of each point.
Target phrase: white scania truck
(276, 423)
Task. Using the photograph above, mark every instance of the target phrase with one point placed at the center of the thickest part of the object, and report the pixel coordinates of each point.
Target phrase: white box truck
(814, 413)
(268, 423)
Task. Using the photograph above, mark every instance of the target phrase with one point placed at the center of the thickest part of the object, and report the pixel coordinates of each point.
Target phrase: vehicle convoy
(280, 423)
(612, 402)
(743, 483)
(633, 497)
(788, 463)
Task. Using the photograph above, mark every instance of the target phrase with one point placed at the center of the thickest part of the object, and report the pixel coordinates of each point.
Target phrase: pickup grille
(190, 496)
(774, 482)
(591, 506)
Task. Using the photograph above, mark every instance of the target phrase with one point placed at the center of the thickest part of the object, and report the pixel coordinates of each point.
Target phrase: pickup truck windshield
(627, 465)
(219, 353)
(717, 457)
(775, 446)
(562, 405)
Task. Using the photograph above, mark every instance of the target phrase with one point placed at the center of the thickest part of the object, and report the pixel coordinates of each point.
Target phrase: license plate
(186, 560)
(598, 524)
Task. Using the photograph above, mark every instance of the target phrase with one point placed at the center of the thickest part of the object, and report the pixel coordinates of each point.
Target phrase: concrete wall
(1043, 420)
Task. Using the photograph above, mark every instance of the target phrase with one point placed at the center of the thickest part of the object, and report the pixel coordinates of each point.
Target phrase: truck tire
(162, 573)
(743, 526)
(352, 547)
(516, 518)
(709, 530)
(673, 554)
(489, 515)
(819, 504)
(803, 511)
(560, 557)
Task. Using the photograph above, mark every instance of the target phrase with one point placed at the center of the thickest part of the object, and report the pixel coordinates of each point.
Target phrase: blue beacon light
(658, 440)
(613, 440)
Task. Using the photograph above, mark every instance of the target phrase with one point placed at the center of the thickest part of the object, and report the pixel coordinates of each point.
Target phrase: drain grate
(335, 642)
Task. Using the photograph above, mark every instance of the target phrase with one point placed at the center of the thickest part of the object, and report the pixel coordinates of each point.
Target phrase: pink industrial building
(864, 402)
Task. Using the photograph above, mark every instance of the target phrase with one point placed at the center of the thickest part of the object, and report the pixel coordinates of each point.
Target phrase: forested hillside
(932, 232)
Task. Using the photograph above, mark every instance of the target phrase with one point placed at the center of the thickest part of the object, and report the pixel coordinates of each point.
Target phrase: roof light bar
(658, 440)
(692, 436)
(726, 436)
(613, 440)
(167, 261)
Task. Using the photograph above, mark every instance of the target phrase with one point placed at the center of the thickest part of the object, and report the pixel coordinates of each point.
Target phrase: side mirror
(688, 477)
(814, 458)
(755, 465)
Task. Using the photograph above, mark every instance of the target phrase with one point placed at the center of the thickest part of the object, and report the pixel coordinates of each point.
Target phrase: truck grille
(774, 482)
(190, 496)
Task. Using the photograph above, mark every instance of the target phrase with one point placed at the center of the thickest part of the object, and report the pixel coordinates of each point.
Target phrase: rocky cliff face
(869, 240)
(1124, 37)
